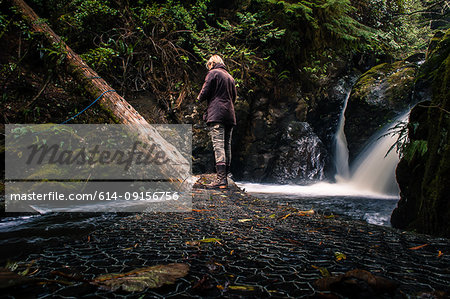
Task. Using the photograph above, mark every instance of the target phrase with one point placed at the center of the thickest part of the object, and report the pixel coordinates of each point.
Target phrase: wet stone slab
(262, 249)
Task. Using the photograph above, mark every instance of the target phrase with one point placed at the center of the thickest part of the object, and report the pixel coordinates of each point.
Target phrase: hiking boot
(221, 180)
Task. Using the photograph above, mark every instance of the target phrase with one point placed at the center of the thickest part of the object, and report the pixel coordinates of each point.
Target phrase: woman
(219, 90)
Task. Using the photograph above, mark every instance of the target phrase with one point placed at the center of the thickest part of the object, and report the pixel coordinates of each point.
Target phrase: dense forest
(293, 62)
(154, 51)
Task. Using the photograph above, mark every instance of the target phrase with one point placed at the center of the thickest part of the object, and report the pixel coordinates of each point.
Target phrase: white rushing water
(374, 168)
(340, 147)
(322, 189)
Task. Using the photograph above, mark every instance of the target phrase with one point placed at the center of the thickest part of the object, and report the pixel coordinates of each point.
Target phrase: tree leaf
(207, 240)
(418, 247)
(139, 279)
(210, 240)
(242, 288)
(244, 220)
(304, 213)
(323, 271)
(340, 256)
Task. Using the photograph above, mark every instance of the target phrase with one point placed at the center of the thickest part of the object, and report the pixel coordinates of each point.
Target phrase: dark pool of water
(372, 210)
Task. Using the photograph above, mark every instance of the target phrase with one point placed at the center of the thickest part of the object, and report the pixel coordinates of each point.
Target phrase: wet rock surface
(301, 156)
(260, 249)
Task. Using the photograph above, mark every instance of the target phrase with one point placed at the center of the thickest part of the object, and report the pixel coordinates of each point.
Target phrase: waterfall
(340, 147)
(373, 169)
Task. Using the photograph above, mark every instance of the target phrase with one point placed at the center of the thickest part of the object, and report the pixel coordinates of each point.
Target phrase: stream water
(330, 199)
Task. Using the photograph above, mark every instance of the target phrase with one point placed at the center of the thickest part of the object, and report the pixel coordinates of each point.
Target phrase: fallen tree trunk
(96, 86)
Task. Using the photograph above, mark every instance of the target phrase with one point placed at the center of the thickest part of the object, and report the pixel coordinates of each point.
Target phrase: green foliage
(54, 53)
(99, 58)
(239, 42)
(157, 45)
(86, 13)
(419, 147)
(405, 147)
(4, 23)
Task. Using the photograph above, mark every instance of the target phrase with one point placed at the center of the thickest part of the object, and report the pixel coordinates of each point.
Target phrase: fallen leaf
(242, 288)
(341, 283)
(207, 240)
(303, 213)
(418, 247)
(340, 256)
(140, 279)
(323, 271)
(292, 241)
(200, 210)
(286, 216)
(244, 220)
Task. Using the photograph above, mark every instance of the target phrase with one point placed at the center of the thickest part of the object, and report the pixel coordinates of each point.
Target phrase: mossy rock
(387, 85)
(438, 51)
(378, 97)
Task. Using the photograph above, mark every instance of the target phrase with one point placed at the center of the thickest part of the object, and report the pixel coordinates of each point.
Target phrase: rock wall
(423, 173)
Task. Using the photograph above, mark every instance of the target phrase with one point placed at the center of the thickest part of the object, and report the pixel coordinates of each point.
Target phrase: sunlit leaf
(340, 256)
(206, 240)
(140, 279)
(308, 212)
(209, 240)
(244, 220)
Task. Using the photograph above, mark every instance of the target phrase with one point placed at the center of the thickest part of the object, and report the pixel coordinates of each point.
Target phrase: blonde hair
(215, 59)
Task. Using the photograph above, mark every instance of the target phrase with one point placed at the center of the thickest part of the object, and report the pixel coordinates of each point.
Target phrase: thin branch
(40, 92)
(426, 10)
(435, 106)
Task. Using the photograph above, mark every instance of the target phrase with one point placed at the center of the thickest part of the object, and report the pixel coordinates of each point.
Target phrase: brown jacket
(219, 90)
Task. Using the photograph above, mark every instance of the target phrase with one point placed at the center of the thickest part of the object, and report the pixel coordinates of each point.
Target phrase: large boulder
(301, 156)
